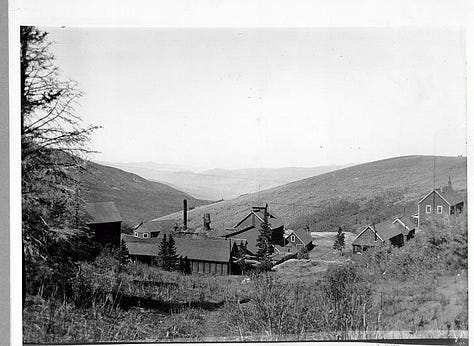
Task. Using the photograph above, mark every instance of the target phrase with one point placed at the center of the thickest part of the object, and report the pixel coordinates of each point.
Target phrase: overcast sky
(235, 98)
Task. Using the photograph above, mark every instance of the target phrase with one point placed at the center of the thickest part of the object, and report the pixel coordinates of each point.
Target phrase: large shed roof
(102, 212)
(215, 250)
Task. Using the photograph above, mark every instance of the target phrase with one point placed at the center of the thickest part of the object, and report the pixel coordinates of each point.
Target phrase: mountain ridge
(136, 198)
(400, 180)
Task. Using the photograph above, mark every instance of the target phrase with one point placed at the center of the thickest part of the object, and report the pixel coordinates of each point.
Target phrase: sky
(240, 98)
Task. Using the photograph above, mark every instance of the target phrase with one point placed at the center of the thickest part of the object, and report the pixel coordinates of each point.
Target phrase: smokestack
(207, 221)
(185, 214)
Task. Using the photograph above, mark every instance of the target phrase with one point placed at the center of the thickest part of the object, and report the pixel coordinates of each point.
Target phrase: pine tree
(340, 242)
(123, 255)
(172, 256)
(264, 240)
(164, 252)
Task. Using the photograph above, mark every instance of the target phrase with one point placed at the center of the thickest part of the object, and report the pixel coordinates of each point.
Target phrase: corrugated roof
(215, 250)
(103, 212)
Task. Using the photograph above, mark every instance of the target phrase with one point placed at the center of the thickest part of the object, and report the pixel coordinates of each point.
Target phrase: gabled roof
(447, 194)
(385, 231)
(303, 235)
(360, 241)
(405, 223)
(102, 212)
(259, 214)
(215, 250)
(250, 234)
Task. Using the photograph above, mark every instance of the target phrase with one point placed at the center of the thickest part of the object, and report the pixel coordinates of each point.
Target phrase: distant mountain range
(136, 198)
(217, 184)
(373, 186)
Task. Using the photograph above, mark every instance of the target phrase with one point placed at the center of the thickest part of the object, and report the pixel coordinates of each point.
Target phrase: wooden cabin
(441, 202)
(391, 232)
(298, 240)
(105, 221)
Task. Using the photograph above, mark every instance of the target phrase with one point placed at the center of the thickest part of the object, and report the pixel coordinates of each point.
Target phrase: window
(439, 209)
(145, 235)
(136, 234)
(428, 209)
(292, 238)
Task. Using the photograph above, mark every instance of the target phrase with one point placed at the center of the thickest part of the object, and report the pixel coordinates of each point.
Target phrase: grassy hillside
(136, 198)
(376, 187)
(217, 184)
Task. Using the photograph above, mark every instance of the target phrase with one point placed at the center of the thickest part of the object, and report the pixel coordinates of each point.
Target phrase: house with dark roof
(391, 232)
(440, 202)
(105, 220)
(207, 256)
(249, 227)
(298, 240)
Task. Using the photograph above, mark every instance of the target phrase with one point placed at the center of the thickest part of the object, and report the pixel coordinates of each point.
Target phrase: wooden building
(391, 232)
(154, 228)
(105, 221)
(206, 256)
(248, 229)
(298, 240)
(441, 202)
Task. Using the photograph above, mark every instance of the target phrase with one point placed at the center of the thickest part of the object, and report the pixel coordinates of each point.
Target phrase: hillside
(217, 184)
(136, 198)
(384, 187)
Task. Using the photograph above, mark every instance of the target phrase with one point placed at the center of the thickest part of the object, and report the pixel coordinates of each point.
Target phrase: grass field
(155, 305)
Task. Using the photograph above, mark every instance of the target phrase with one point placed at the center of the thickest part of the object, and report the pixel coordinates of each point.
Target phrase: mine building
(105, 220)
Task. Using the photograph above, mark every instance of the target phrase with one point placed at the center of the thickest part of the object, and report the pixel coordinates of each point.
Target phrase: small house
(105, 221)
(440, 202)
(298, 240)
(391, 232)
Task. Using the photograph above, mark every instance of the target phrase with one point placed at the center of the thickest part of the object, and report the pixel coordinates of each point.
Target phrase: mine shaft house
(208, 256)
(391, 232)
(439, 202)
(248, 229)
(105, 221)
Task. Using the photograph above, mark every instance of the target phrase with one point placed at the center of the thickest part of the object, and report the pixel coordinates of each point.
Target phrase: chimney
(185, 214)
(265, 213)
(207, 221)
(450, 185)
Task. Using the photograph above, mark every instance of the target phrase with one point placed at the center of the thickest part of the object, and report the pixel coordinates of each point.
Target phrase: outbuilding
(105, 221)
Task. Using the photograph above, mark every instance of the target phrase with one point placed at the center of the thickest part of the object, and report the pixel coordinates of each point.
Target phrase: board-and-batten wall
(218, 268)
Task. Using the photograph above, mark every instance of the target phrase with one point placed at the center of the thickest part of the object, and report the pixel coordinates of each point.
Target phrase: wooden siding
(368, 238)
(205, 267)
(433, 200)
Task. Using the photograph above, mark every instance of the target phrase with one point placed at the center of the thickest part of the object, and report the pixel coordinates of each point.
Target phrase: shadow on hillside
(128, 302)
